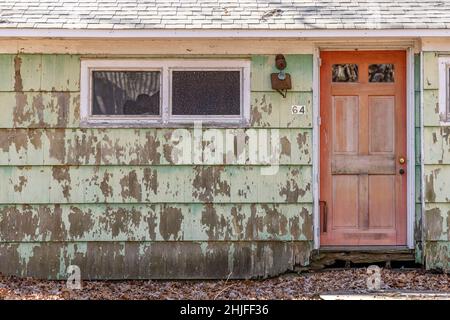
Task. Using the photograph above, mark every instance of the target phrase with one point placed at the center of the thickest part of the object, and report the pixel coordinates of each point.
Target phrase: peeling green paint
(114, 202)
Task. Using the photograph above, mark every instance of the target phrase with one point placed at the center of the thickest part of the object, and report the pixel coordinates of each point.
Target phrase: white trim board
(410, 137)
(221, 33)
(444, 90)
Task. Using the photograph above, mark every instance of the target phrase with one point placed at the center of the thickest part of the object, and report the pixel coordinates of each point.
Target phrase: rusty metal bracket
(324, 214)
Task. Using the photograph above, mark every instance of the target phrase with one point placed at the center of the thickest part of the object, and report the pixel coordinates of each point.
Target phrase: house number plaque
(296, 109)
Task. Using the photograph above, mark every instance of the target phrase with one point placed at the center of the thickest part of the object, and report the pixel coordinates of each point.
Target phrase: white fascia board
(219, 33)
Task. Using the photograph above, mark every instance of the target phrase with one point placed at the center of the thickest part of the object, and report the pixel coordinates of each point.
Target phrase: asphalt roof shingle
(225, 14)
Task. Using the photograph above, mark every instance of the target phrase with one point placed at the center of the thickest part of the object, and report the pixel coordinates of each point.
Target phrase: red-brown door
(363, 148)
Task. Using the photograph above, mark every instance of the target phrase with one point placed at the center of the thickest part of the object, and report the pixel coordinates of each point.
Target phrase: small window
(126, 93)
(345, 72)
(206, 93)
(444, 90)
(382, 72)
(165, 92)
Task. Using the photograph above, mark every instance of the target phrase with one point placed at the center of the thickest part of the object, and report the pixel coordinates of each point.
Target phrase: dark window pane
(126, 93)
(381, 72)
(345, 72)
(206, 92)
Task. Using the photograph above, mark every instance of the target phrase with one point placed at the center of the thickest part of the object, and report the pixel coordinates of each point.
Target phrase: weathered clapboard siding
(155, 222)
(114, 202)
(136, 184)
(40, 109)
(165, 260)
(436, 172)
(28, 147)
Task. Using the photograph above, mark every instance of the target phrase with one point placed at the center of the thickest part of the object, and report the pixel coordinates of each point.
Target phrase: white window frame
(444, 90)
(165, 67)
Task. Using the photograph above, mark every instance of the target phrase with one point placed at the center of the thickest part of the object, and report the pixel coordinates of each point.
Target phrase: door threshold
(330, 255)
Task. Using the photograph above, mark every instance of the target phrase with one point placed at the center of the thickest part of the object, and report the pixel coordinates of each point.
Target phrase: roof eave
(221, 33)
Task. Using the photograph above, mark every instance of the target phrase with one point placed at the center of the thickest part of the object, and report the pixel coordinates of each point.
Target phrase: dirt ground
(290, 286)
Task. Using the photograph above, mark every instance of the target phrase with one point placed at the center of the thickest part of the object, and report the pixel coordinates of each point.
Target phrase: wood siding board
(157, 260)
(437, 183)
(8, 72)
(39, 109)
(270, 109)
(431, 75)
(437, 145)
(431, 108)
(60, 73)
(437, 222)
(135, 147)
(155, 222)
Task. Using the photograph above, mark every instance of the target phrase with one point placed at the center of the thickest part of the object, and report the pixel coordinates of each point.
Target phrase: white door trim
(410, 137)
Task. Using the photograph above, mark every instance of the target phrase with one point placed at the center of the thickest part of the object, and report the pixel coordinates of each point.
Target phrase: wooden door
(362, 148)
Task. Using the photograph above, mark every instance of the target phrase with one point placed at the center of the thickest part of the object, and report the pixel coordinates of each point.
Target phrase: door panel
(345, 124)
(381, 124)
(345, 188)
(362, 136)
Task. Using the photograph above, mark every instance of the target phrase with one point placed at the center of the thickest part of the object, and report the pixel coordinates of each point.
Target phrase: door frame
(410, 137)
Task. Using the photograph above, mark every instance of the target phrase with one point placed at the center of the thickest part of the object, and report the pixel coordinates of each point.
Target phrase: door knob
(401, 171)
(401, 160)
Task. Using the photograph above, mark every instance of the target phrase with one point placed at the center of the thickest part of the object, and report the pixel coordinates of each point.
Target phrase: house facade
(199, 140)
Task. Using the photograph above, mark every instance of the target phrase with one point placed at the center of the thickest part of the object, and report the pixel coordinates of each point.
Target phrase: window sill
(147, 123)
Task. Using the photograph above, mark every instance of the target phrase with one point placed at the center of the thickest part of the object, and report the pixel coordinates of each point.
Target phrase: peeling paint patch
(18, 86)
(131, 188)
(208, 183)
(170, 223)
(62, 176)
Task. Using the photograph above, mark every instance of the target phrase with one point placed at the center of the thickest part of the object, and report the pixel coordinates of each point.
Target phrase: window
(383, 72)
(345, 72)
(444, 90)
(164, 92)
